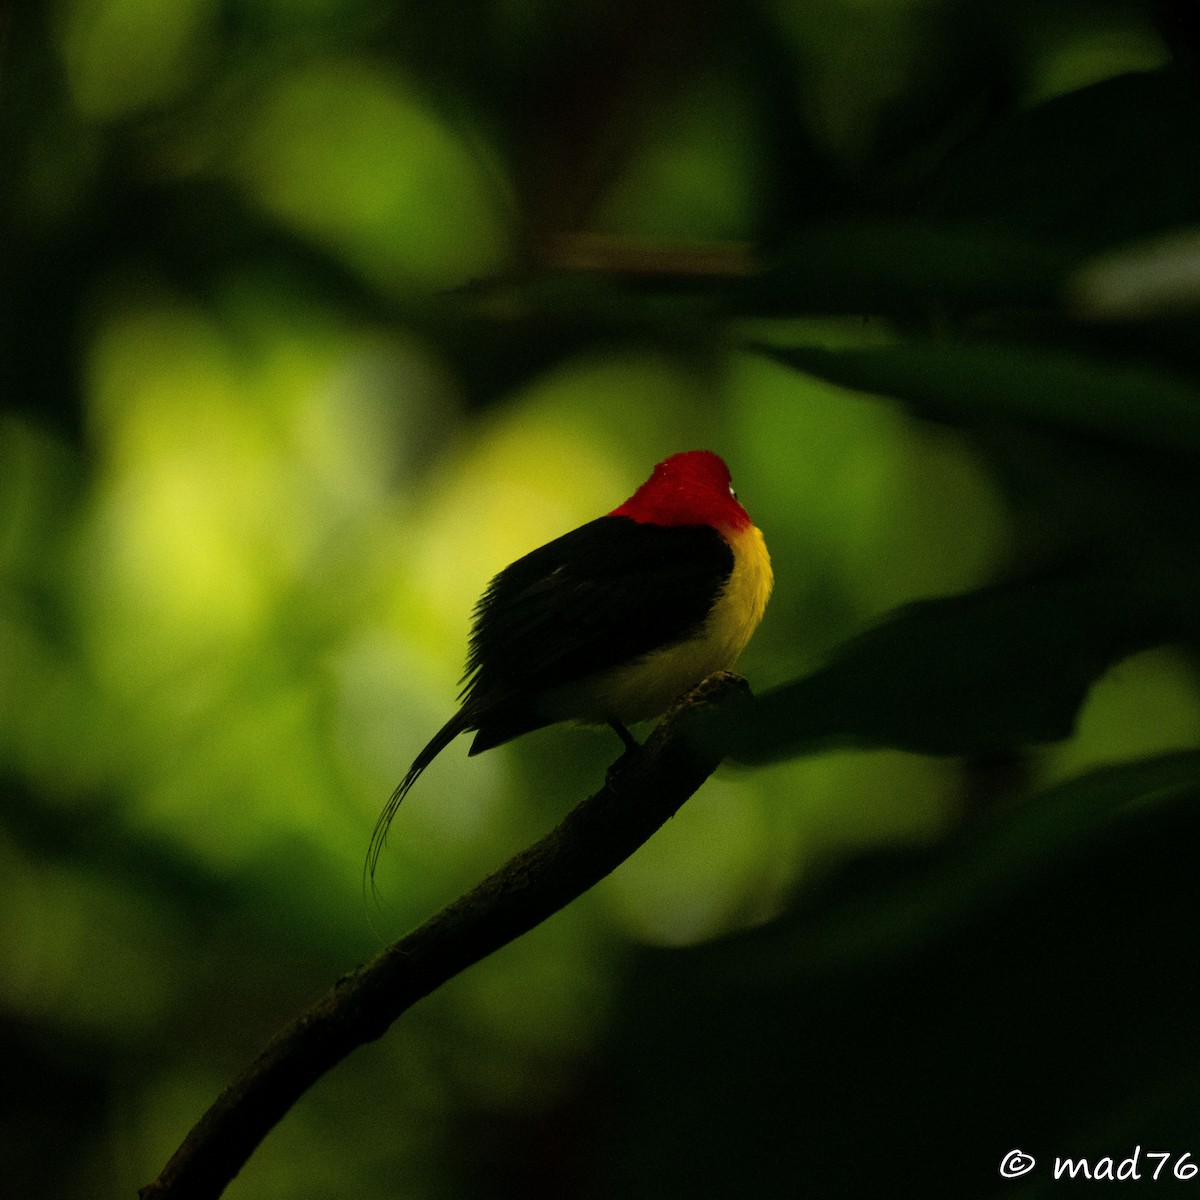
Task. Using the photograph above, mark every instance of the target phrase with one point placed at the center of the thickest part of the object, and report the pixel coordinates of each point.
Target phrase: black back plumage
(602, 595)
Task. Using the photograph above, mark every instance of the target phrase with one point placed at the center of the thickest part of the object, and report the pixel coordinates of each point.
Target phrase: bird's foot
(633, 749)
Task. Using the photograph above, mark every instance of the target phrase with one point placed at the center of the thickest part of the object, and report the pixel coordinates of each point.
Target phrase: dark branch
(644, 791)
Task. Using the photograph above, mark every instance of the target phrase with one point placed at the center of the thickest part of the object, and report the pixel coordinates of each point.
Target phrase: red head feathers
(691, 488)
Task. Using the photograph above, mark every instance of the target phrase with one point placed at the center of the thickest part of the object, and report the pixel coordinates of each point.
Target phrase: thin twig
(643, 791)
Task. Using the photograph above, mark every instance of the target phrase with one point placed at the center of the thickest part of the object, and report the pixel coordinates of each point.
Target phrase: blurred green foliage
(316, 313)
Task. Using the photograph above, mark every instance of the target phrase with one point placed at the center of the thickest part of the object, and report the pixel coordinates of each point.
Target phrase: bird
(608, 624)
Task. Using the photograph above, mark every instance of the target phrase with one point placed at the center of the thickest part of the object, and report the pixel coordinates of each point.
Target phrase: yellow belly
(645, 688)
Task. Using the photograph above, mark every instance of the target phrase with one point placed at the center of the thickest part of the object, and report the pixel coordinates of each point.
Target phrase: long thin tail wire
(440, 740)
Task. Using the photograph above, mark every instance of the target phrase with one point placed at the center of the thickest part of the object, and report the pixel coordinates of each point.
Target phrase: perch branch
(643, 791)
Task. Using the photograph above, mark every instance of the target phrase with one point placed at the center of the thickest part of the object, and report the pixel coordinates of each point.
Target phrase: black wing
(605, 593)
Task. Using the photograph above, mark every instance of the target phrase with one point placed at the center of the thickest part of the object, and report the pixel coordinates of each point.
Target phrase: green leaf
(972, 382)
(1103, 164)
(891, 912)
(892, 266)
(971, 674)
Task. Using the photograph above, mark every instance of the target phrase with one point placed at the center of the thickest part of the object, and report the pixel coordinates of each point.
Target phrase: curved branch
(642, 792)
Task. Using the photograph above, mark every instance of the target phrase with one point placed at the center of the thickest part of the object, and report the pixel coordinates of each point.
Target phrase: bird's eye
(732, 492)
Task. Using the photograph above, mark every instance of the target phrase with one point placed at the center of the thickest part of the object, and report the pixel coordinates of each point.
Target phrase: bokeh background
(316, 313)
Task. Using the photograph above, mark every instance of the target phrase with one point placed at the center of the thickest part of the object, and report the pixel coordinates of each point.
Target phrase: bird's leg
(632, 748)
(632, 745)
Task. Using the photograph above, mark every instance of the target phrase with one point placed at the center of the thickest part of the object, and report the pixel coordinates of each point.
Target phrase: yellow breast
(645, 688)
